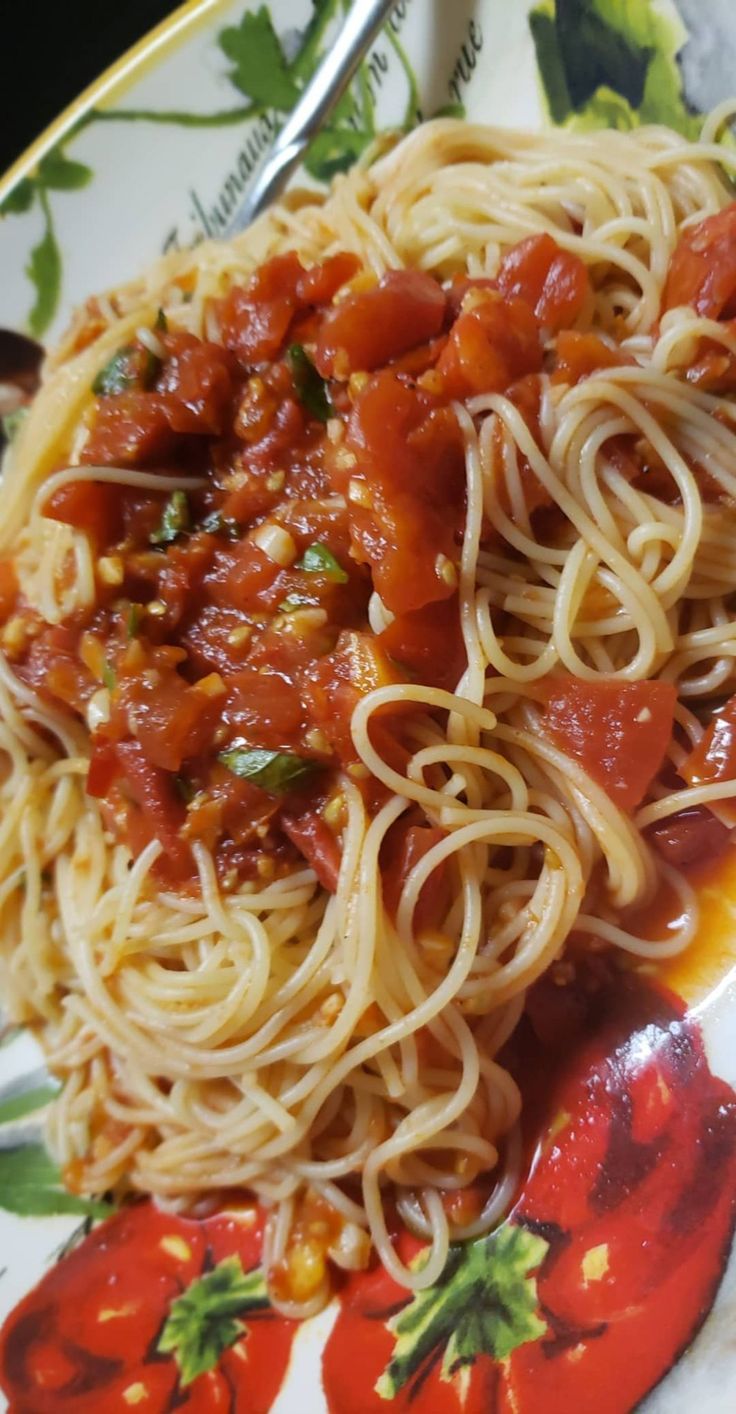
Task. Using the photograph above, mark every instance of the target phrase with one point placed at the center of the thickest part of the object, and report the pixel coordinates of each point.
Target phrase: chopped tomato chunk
(197, 384)
(255, 318)
(490, 346)
(155, 811)
(429, 642)
(338, 681)
(321, 282)
(130, 429)
(702, 270)
(578, 355)
(553, 281)
(90, 506)
(264, 708)
(368, 329)
(617, 731)
(404, 846)
(172, 721)
(315, 840)
(405, 496)
(8, 587)
(689, 837)
(714, 757)
(54, 668)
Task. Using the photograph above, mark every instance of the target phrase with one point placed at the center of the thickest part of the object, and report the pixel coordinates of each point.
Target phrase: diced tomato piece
(460, 286)
(104, 767)
(8, 587)
(578, 355)
(255, 318)
(702, 270)
(172, 720)
(412, 460)
(53, 667)
(316, 841)
(617, 731)
(321, 282)
(276, 448)
(368, 329)
(131, 429)
(553, 281)
(338, 681)
(713, 367)
(429, 643)
(265, 709)
(526, 396)
(403, 848)
(197, 384)
(156, 813)
(689, 837)
(490, 346)
(91, 506)
(208, 640)
(714, 757)
(239, 575)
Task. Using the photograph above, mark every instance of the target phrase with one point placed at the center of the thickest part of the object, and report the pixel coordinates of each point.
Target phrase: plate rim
(154, 44)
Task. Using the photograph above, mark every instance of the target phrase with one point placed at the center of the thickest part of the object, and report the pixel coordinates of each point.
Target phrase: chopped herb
(184, 788)
(274, 771)
(310, 386)
(162, 323)
(133, 621)
(218, 524)
(11, 422)
(108, 676)
(131, 367)
(174, 521)
(295, 601)
(317, 559)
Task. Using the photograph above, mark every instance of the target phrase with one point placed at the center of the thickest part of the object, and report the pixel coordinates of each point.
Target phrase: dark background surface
(50, 51)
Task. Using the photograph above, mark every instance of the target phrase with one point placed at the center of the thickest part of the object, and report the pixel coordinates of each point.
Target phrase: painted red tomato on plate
(627, 1214)
(578, 1304)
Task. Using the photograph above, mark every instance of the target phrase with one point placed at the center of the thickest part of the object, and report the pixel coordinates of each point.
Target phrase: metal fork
(338, 67)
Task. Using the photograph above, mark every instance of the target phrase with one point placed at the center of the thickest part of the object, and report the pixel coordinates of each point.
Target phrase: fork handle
(362, 23)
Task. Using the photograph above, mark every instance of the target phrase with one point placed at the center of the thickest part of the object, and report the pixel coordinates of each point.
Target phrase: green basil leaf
(133, 621)
(218, 524)
(108, 676)
(310, 386)
(294, 602)
(274, 771)
(11, 422)
(318, 559)
(184, 788)
(174, 521)
(131, 367)
(162, 323)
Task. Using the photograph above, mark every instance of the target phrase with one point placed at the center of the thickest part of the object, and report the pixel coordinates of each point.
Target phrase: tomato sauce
(229, 641)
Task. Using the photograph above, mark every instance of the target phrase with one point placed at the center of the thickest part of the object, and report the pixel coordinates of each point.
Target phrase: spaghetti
(368, 620)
